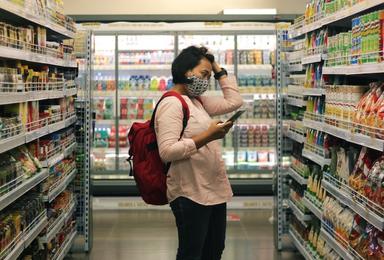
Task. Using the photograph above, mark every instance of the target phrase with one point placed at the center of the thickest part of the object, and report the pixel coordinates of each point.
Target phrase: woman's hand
(217, 130)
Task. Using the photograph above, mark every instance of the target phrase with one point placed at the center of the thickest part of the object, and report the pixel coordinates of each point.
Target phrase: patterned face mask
(197, 87)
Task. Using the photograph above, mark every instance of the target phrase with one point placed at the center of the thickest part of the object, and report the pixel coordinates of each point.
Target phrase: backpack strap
(183, 103)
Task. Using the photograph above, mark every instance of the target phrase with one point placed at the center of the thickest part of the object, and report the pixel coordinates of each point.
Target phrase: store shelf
(295, 101)
(317, 125)
(66, 246)
(367, 209)
(374, 68)
(316, 158)
(296, 68)
(299, 243)
(48, 129)
(25, 238)
(312, 207)
(313, 59)
(301, 90)
(141, 93)
(295, 136)
(103, 94)
(52, 194)
(297, 177)
(59, 223)
(23, 188)
(17, 54)
(337, 16)
(301, 216)
(356, 138)
(258, 67)
(12, 142)
(42, 21)
(339, 249)
(145, 67)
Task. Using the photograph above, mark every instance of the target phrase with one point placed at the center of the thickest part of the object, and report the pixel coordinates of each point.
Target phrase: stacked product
(104, 83)
(363, 44)
(313, 76)
(146, 57)
(369, 114)
(58, 207)
(58, 172)
(351, 230)
(264, 108)
(16, 166)
(319, 8)
(315, 192)
(17, 218)
(33, 39)
(300, 167)
(136, 108)
(316, 42)
(255, 57)
(252, 80)
(252, 136)
(145, 82)
(55, 143)
(296, 195)
(103, 108)
(341, 103)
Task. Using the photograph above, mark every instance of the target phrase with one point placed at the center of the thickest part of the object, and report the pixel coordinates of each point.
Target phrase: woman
(197, 184)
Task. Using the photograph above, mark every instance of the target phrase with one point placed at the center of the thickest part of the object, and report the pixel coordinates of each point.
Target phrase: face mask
(197, 87)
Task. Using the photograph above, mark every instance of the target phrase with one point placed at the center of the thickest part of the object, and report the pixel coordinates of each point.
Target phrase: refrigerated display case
(131, 71)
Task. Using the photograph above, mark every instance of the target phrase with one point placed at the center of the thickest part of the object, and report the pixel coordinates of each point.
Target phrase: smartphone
(235, 116)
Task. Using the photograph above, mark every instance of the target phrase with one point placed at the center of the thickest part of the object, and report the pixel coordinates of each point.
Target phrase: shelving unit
(300, 245)
(296, 176)
(342, 131)
(43, 106)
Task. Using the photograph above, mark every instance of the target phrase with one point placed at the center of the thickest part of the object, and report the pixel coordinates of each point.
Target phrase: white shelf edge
(303, 251)
(355, 69)
(359, 139)
(17, 54)
(315, 210)
(298, 213)
(337, 16)
(340, 250)
(316, 158)
(312, 59)
(35, 134)
(313, 124)
(295, 136)
(61, 187)
(53, 160)
(297, 177)
(21, 12)
(296, 102)
(23, 188)
(345, 199)
(67, 246)
(70, 149)
(12, 142)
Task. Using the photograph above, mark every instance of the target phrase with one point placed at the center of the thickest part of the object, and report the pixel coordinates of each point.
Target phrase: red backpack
(149, 171)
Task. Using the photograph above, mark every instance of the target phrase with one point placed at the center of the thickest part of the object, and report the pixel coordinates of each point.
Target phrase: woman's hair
(188, 59)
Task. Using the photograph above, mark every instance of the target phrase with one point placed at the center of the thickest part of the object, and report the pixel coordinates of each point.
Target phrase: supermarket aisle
(148, 235)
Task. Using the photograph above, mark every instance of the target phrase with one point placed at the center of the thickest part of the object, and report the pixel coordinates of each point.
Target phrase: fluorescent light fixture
(266, 11)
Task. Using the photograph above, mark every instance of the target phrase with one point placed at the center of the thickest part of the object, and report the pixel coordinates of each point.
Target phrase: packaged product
(358, 177)
(374, 186)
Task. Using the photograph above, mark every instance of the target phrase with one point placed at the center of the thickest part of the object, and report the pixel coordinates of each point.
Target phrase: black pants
(201, 229)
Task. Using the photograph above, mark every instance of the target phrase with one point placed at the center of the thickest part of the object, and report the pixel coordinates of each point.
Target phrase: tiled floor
(151, 235)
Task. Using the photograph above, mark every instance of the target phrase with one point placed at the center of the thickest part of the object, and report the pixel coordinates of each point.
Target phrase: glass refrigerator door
(255, 134)
(144, 74)
(221, 46)
(103, 99)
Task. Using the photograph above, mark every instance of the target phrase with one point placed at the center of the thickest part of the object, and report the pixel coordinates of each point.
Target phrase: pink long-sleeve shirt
(197, 174)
